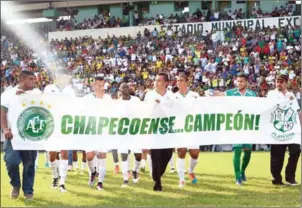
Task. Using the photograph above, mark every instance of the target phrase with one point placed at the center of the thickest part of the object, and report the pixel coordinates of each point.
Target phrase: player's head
(98, 85)
(161, 81)
(281, 82)
(125, 89)
(241, 81)
(132, 87)
(182, 81)
(27, 80)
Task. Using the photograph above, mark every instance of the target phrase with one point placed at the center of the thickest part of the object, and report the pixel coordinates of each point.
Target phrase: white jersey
(8, 103)
(190, 95)
(89, 97)
(92, 96)
(279, 95)
(54, 89)
(152, 95)
(122, 150)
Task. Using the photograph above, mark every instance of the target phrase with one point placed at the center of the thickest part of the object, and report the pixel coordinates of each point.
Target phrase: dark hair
(183, 75)
(25, 73)
(99, 78)
(241, 75)
(166, 76)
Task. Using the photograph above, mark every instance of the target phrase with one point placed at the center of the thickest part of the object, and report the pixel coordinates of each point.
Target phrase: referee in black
(278, 151)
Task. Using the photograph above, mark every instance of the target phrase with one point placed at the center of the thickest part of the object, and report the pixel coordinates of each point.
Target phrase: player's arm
(4, 109)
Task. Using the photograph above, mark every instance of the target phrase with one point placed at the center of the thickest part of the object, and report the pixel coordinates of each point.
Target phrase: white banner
(54, 122)
(196, 27)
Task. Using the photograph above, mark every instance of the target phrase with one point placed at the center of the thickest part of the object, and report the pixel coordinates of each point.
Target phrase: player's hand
(158, 101)
(8, 134)
(20, 91)
(291, 98)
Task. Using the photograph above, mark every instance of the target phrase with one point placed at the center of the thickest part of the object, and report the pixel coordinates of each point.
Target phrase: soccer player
(241, 90)
(278, 151)
(12, 157)
(126, 95)
(185, 93)
(60, 168)
(160, 157)
(100, 165)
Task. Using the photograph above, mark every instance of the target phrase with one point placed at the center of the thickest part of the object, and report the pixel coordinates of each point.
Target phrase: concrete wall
(268, 6)
(165, 8)
(238, 6)
(116, 10)
(87, 12)
(193, 6)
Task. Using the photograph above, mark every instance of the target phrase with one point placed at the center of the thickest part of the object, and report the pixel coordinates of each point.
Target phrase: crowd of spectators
(210, 62)
(106, 21)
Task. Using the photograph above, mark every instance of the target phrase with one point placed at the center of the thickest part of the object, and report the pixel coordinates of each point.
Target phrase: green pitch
(216, 187)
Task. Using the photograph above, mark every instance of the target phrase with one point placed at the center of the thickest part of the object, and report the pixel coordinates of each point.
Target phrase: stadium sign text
(259, 24)
(185, 28)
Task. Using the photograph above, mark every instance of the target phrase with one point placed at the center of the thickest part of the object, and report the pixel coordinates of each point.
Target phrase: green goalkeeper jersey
(236, 92)
(248, 93)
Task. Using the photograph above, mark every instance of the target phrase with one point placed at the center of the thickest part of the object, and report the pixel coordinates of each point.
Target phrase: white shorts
(125, 151)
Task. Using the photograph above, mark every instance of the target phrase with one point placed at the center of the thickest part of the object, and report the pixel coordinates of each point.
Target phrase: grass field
(215, 187)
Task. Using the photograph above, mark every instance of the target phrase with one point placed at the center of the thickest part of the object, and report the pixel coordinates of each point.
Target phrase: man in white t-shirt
(62, 87)
(278, 151)
(99, 93)
(125, 94)
(12, 157)
(182, 94)
(159, 157)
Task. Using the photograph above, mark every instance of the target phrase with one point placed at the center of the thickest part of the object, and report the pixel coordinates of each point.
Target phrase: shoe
(100, 186)
(243, 177)
(143, 169)
(92, 179)
(181, 184)
(28, 197)
(278, 183)
(239, 182)
(15, 193)
(292, 183)
(69, 168)
(55, 183)
(186, 171)
(193, 178)
(46, 165)
(135, 176)
(116, 169)
(172, 170)
(62, 188)
(125, 184)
